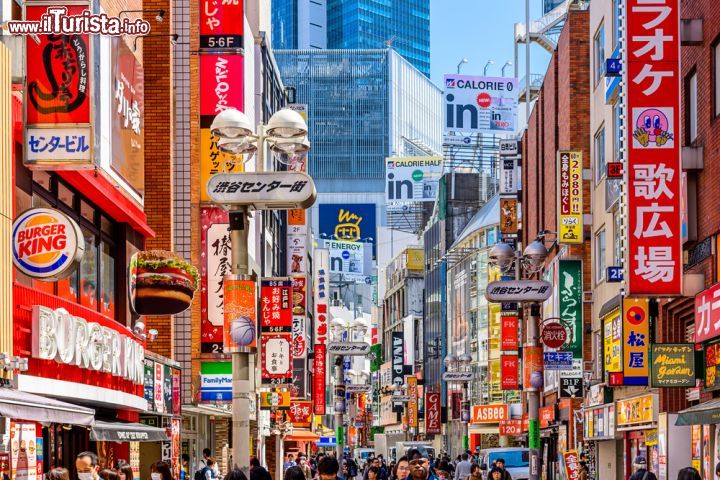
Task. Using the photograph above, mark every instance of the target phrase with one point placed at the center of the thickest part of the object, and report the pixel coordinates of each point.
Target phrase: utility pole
(339, 411)
(533, 396)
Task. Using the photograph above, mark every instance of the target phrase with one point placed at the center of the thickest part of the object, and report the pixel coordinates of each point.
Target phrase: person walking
(58, 473)
(462, 469)
(294, 473)
(401, 470)
(328, 468)
(208, 471)
(290, 462)
(475, 473)
(257, 471)
(124, 471)
(641, 471)
(689, 473)
(86, 465)
(303, 464)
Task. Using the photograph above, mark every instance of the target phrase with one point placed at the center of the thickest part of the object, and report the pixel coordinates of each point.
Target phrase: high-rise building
(299, 24)
(371, 24)
(363, 106)
(549, 5)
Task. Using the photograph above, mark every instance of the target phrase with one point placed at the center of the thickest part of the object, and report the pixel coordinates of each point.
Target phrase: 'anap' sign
(46, 244)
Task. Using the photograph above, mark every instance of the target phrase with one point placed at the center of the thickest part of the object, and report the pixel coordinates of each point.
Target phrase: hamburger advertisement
(161, 283)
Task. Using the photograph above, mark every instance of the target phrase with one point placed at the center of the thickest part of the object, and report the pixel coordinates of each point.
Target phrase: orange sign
(547, 416)
(412, 408)
(240, 315)
(532, 362)
(490, 413)
(510, 428)
(296, 217)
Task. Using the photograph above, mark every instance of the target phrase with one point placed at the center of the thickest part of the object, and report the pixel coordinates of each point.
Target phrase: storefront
(637, 419)
(599, 444)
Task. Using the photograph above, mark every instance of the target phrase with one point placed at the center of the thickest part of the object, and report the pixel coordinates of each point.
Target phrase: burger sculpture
(161, 283)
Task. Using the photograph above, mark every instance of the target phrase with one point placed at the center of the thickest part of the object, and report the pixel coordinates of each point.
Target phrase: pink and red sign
(221, 78)
(217, 254)
(509, 339)
(510, 372)
(652, 78)
(58, 73)
(276, 366)
(319, 371)
(275, 305)
(707, 314)
(221, 24)
(432, 412)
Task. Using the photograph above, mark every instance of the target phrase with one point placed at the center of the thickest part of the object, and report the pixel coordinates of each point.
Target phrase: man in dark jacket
(500, 463)
(641, 471)
(257, 471)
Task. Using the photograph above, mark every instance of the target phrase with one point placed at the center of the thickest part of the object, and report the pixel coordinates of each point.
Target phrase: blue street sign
(614, 274)
(557, 360)
(613, 67)
(346, 255)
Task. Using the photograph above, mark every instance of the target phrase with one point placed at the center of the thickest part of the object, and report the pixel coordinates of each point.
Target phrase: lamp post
(342, 330)
(489, 62)
(460, 64)
(286, 132)
(531, 262)
(461, 363)
(507, 64)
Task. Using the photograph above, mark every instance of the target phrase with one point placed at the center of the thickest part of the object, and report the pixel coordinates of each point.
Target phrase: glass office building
(548, 5)
(371, 24)
(363, 106)
(299, 24)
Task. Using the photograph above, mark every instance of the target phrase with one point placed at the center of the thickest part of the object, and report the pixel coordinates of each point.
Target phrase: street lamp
(489, 62)
(531, 261)
(460, 64)
(236, 137)
(461, 364)
(507, 64)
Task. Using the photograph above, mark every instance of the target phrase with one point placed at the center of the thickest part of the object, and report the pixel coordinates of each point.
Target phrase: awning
(210, 410)
(126, 432)
(26, 406)
(302, 435)
(486, 429)
(702, 414)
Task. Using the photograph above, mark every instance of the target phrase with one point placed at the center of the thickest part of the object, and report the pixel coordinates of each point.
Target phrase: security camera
(152, 334)
(502, 255)
(139, 328)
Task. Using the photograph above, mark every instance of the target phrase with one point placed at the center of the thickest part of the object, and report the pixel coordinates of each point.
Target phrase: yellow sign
(570, 197)
(636, 341)
(279, 400)
(212, 161)
(651, 437)
(412, 409)
(415, 259)
(634, 411)
(612, 337)
(508, 215)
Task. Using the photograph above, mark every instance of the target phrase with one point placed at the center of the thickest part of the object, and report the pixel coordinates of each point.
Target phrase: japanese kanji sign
(222, 86)
(572, 465)
(518, 291)
(216, 249)
(212, 161)
(300, 413)
(652, 80)
(432, 413)
(299, 328)
(636, 341)
(612, 339)
(508, 215)
(571, 306)
(570, 197)
(276, 358)
(221, 24)
(263, 190)
(275, 305)
(707, 314)
(321, 291)
(319, 369)
(412, 408)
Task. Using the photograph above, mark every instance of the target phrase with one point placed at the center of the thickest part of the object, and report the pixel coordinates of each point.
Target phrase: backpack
(200, 474)
(353, 469)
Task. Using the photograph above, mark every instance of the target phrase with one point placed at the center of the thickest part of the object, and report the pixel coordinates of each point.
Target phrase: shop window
(93, 283)
(600, 161)
(599, 50)
(692, 107)
(600, 256)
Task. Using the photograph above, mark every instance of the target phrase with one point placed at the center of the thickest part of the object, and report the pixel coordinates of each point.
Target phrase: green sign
(340, 435)
(672, 365)
(570, 289)
(533, 433)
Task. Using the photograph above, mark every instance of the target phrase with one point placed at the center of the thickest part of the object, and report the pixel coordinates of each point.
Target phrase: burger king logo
(46, 244)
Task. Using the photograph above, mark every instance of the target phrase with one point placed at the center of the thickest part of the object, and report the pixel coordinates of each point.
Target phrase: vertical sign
(23, 462)
(508, 178)
(158, 396)
(58, 94)
(570, 197)
(509, 339)
(216, 253)
(572, 465)
(221, 24)
(571, 306)
(432, 412)
(612, 327)
(299, 306)
(636, 341)
(222, 87)
(508, 215)
(509, 368)
(276, 330)
(651, 60)
(240, 318)
(532, 364)
(398, 364)
(321, 277)
(412, 409)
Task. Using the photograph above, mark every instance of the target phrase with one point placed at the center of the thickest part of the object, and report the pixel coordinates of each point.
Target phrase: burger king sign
(46, 244)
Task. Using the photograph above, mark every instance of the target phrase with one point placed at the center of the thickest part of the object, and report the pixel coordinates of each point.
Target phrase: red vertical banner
(221, 77)
(509, 370)
(509, 334)
(651, 65)
(432, 412)
(319, 372)
(276, 330)
(221, 24)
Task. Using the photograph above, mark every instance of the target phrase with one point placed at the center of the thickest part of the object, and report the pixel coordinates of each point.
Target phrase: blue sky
(479, 30)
